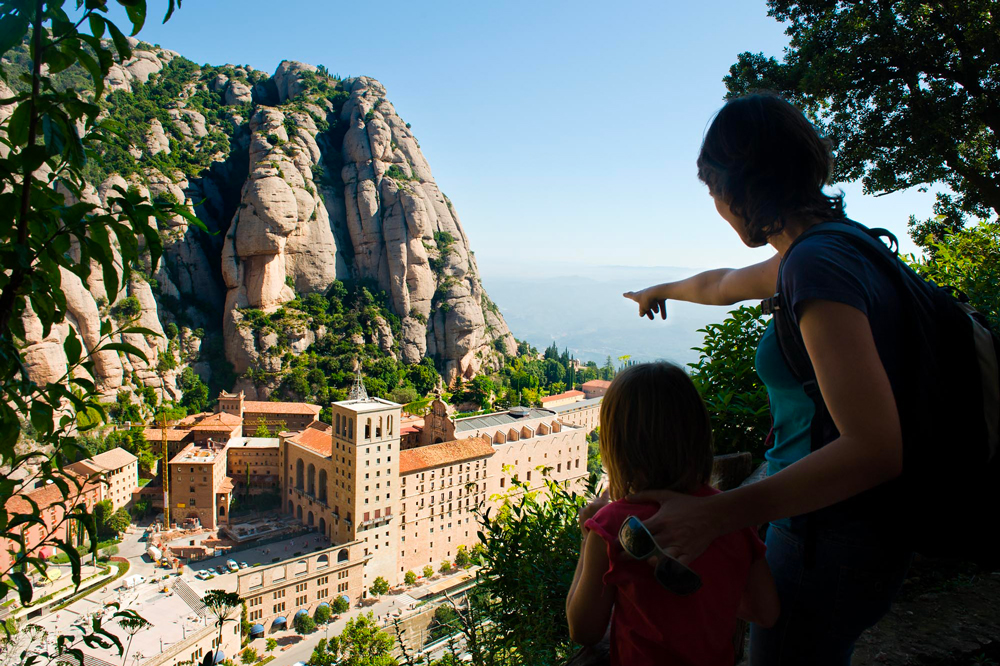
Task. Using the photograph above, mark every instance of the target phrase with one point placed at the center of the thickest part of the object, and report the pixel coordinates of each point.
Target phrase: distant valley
(581, 308)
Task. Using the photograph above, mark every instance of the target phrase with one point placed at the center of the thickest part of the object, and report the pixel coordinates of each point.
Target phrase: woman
(837, 569)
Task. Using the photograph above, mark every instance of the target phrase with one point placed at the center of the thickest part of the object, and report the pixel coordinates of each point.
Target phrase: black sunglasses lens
(676, 577)
(635, 539)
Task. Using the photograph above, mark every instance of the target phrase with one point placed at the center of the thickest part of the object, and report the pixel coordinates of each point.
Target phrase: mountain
(309, 185)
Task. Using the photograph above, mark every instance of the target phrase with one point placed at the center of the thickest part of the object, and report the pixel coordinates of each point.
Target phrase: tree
(410, 578)
(325, 653)
(906, 90)
(481, 390)
(132, 626)
(379, 587)
(428, 571)
(341, 605)
(249, 655)
(118, 522)
(594, 464)
(262, 429)
(726, 377)
(49, 233)
(462, 557)
(969, 260)
(322, 614)
(194, 392)
(102, 513)
(270, 644)
(304, 624)
(423, 376)
(362, 643)
(222, 605)
(445, 621)
(445, 566)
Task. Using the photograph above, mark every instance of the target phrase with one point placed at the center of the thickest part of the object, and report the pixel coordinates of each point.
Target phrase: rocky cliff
(303, 179)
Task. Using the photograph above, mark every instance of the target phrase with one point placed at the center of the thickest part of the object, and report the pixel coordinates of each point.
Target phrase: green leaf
(136, 10)
(96, 25)
(23, 587)
(125, 347)
(121, 43)
(72, 347)
(13, 29)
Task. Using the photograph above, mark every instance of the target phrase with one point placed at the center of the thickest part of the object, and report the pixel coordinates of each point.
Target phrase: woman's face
(734, 220)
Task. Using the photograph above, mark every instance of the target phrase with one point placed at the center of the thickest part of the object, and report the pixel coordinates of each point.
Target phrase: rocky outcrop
(407, 236)
(322, 181)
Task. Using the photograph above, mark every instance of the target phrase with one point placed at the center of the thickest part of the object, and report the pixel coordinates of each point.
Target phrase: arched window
(350, 428)
(322, 485)
(291, 507)
(389, 426)
(342, 555)
(311, 480)
(378, 430)
(336, 424)
(298, 512)
(324, 560)
(300, 482)
(322, 530)
(368, 429)
(310, 521)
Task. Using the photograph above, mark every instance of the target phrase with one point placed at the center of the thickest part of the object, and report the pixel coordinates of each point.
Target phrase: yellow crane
(165, 453)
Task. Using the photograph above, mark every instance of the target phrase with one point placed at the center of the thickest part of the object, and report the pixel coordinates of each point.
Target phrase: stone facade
(302, 583)
(199, 486)
(595, 388)
(584, 414)
(254, 464)
(550, 401)
(118, 472)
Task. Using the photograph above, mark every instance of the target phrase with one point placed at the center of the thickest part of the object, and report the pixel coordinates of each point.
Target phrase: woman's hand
(651, 301)
(589, 511)
(684, 526)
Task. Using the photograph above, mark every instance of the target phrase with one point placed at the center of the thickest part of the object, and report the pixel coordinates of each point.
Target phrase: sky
(565, 133)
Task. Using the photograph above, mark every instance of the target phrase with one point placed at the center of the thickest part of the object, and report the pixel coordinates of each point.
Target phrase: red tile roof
(563, 396)
(154, 435)
(597, 383)
(220, 419)
(446, 453)
(267, 407)
(315, 440)
(49, 495)
(116, 458)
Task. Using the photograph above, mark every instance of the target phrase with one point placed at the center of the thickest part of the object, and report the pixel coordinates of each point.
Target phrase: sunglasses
(671, 574)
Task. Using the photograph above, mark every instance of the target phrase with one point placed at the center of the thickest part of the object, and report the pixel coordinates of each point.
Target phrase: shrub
(726, 377)
(322, 614)
(410, 578)
(445, 566)
(126, 309)
(341, 605)
(379, 587)
(249, 655)
(428, 571)
(304, 624)
(270, 644)
(462, 557)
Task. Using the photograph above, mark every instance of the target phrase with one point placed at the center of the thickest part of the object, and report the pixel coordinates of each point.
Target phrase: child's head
(655, 432)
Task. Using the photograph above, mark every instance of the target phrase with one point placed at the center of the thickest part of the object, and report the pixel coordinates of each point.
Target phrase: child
(655, 434)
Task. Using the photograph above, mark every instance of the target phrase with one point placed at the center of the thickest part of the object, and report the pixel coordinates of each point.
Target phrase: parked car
(232, 565)
(211, 571)
(244, 565)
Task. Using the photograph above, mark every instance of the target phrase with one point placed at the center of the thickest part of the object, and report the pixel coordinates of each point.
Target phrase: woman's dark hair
(768, 162)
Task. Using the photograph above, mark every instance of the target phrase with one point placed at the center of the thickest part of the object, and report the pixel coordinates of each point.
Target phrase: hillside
(329, 238)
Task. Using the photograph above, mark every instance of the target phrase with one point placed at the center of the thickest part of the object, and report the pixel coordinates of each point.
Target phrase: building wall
(261, 465)
(563, 451)
(292, 422)
(193, 649)
(193, 485)
(308, 502)
(284, 588)
(121, 483)
(437, 512)
(587, 418)
(437, 426)
(592, 391)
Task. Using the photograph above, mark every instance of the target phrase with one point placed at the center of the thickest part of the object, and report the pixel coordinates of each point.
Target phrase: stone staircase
(189, 596)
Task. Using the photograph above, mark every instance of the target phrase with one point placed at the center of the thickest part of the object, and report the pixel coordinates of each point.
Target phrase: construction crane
(165, 453)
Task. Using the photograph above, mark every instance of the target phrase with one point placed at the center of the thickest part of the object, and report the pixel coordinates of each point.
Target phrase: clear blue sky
(563, 132)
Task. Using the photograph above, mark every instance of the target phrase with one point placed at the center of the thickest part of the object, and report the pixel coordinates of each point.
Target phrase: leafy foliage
(51, 135)
(361, 643)
(304, 624)
(379, 587)
(907, 90)
(726, 377)
(968, 260)
(322, 614)
(529, 553)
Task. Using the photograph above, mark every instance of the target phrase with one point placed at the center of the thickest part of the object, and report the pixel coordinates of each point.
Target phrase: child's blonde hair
(655, 431)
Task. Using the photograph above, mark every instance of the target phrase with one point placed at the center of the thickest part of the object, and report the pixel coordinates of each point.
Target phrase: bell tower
(365, 482)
